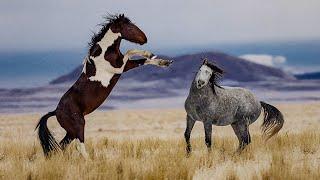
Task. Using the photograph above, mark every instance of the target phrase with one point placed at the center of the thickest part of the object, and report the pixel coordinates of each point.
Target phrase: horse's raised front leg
(190, 124)
(241, 129)
(149, 58)
(208, 133)
(131, 64)
(142, 53)
(158, 62)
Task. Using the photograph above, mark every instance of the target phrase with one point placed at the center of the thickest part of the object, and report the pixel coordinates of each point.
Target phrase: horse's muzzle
(200, 84)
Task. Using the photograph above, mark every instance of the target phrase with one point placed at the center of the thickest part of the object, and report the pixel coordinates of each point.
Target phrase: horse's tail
(47, 140)
(272, 121)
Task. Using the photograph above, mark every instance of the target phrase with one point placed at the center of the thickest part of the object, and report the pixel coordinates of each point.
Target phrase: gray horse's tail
(47, 140)
(272, 121)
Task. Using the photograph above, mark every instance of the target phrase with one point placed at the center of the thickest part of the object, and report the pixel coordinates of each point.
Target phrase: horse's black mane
(109, 20)
(215, 77)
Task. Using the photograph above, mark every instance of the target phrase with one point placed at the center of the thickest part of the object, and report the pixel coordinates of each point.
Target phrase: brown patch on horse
(112, 55)
(90, 68)
(95, 50)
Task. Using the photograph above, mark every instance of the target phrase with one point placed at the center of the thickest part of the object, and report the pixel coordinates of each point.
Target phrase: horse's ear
(205, 61)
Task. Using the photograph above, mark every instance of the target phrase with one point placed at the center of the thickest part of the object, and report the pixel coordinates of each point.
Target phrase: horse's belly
(223, 121)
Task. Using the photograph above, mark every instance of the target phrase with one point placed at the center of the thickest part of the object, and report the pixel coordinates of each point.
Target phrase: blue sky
(68, 24)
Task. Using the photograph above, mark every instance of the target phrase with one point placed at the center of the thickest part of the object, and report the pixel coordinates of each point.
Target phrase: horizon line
(166, 48)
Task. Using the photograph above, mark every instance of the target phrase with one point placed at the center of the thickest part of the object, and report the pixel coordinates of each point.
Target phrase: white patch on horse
(108, 39)
(104, 78)
(104, 70)
(82, 149)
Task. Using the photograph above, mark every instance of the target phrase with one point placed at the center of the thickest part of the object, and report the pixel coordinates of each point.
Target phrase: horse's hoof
(152, 56)
(188, 151)
(165, 63)
(188, 154)
(239, 151)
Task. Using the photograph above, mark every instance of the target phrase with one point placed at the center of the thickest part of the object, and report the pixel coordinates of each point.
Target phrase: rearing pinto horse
(101, 70)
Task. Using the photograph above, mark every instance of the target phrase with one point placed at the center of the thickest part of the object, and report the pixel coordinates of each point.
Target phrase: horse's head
(208, 72)
(128, 30)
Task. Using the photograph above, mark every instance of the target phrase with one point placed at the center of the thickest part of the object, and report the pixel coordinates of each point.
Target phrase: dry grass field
(149, 144)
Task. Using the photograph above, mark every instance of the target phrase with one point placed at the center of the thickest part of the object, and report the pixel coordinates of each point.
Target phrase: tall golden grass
(149, 144)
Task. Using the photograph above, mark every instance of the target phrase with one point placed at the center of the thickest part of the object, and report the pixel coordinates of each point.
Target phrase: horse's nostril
(200, 83)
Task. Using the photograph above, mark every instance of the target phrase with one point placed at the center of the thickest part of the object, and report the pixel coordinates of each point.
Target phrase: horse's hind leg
(190, 124)
(208, 133)
(66, 141)
(74, 124)
(72, 120)
(79, 134)
(241, 129)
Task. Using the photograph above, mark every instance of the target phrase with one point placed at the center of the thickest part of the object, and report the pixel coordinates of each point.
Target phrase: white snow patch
(265, 59)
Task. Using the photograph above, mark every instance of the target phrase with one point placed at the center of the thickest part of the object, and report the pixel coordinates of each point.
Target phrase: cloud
(279, 62)
(265, 59)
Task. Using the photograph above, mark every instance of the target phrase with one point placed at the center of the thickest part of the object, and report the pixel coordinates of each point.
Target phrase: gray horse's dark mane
(216, 75)
(109, 20)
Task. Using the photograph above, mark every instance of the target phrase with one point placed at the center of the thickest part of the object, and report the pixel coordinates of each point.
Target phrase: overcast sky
(68, 24)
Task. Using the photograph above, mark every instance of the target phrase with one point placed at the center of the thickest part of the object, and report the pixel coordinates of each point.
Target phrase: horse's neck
(202, 92)
(108, 40)
(97, 68)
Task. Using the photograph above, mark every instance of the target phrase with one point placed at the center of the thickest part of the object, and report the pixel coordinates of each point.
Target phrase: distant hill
(313, 75)
(184, 68)
(72, 76)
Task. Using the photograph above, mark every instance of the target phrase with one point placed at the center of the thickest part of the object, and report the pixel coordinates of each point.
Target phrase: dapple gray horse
(215, 105)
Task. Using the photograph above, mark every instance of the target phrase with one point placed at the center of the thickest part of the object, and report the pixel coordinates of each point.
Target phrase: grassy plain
(149, 144)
